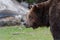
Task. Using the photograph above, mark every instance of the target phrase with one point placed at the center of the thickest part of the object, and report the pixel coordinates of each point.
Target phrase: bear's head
(35, 17)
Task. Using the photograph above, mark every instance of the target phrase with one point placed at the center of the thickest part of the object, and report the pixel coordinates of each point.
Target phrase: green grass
(22, 33)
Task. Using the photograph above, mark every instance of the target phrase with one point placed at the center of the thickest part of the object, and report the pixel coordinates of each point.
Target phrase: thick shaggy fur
(54, 16)
(38, 16)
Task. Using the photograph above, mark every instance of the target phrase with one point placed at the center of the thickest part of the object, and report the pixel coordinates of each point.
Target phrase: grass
(22, 33)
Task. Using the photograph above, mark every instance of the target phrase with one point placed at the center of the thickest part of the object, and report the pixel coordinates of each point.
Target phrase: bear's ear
(34, 7)
(30, 6)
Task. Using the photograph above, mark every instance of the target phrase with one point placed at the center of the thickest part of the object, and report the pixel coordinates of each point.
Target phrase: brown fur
(37, 16)
(54, 16)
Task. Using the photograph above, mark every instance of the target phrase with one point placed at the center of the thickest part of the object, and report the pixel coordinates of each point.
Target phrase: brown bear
(54, 16)
(37, 16)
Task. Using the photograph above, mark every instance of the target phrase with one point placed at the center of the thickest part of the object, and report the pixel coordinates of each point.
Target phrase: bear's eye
(30, 17)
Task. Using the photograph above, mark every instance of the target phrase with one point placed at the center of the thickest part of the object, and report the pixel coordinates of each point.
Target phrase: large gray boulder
(11, 12)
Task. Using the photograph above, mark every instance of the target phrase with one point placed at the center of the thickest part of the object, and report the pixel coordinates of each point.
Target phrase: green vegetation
(22, 33)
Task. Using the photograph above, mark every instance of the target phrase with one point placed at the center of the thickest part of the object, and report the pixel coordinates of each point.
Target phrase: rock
(11, 12)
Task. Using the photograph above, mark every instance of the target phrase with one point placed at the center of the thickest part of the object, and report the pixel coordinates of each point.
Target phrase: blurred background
(12, 12)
